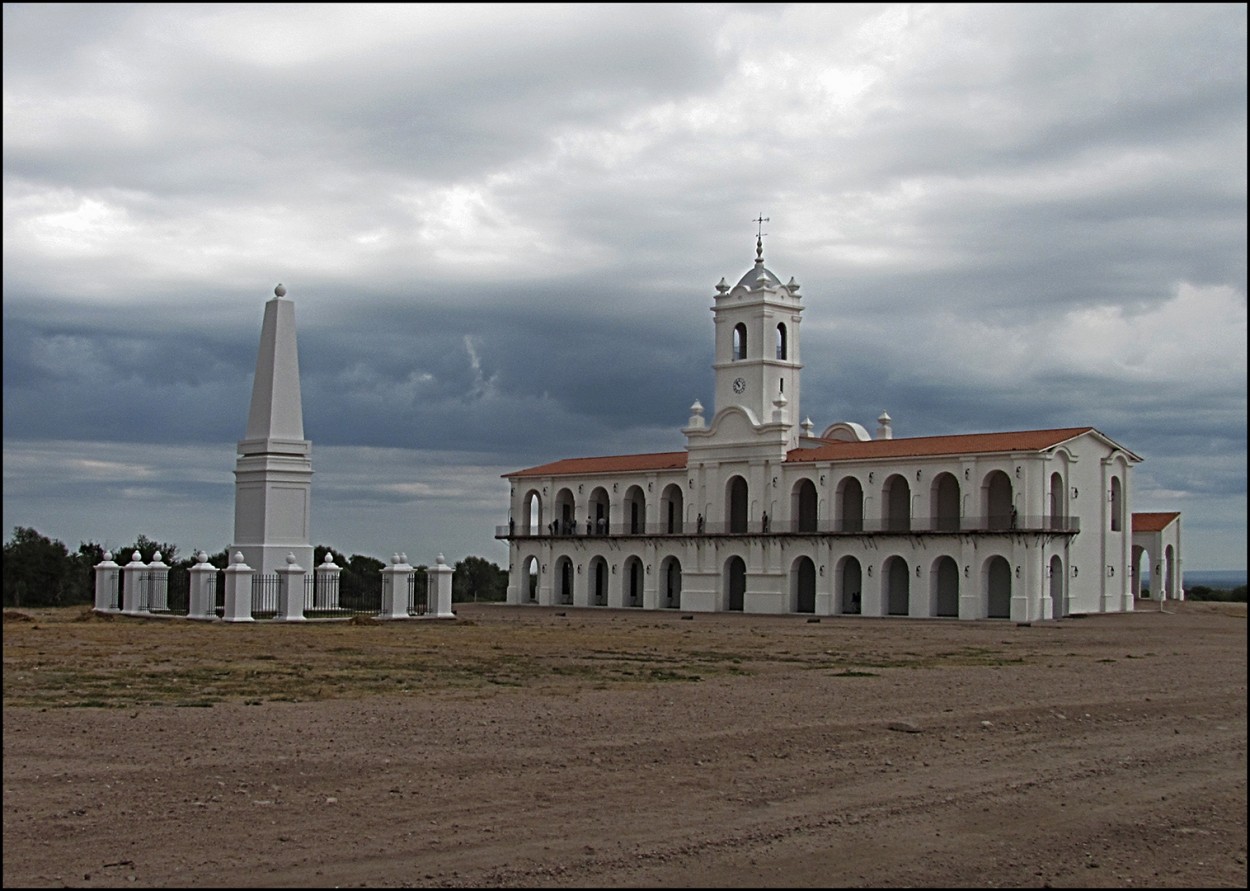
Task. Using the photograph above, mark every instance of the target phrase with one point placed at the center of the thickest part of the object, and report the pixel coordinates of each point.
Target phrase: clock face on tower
(739, 385)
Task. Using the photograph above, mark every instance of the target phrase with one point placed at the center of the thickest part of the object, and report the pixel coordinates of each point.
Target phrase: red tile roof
(1153, 522)
(932, 446)
(911, 447)
(605, 464)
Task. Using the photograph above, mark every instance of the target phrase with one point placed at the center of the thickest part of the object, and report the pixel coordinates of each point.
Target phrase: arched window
(781, 340)
(736, 494)
(671, 507)
(740, 342)
(1117, 505)
(851, 506)
(896, 502)
(803, 508)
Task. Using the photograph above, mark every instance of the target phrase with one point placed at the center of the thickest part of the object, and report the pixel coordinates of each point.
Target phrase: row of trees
(40, 571)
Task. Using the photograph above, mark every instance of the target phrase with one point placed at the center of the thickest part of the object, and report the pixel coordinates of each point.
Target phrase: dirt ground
(526, 746)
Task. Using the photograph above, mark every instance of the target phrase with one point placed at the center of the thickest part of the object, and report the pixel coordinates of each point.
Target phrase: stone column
(395, 588)
(132, 582)
(290, 592)
(327, 592)
(238, 591)
(439, 581)
(202, 598)
(106, 578)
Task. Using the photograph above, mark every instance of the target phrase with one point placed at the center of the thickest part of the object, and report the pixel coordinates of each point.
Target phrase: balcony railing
(990, 524)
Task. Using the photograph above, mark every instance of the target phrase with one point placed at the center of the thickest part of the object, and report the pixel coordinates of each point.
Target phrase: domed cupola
(759, 274)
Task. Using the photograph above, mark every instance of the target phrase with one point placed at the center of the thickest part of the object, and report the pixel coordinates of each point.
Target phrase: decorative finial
(279, 291)
(759, 238)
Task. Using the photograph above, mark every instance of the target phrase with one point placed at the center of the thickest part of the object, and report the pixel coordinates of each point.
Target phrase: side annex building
(760, 514)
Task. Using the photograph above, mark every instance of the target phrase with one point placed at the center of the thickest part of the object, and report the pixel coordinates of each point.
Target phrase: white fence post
(202, 593)
(132, 582)
(395, 589)
(290, 591)
(238, 591)
(326, 595)
(439, 590)
(106, 578)
(158, 585)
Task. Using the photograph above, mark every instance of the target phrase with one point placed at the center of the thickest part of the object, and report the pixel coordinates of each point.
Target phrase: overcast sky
(502, 227)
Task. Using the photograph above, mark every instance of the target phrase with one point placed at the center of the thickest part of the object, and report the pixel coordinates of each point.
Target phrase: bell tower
(757, 361)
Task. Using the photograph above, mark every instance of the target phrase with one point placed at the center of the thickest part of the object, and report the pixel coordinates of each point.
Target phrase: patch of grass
(64, 663)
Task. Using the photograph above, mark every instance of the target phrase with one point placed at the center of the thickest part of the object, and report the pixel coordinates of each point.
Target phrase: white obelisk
(273, 473)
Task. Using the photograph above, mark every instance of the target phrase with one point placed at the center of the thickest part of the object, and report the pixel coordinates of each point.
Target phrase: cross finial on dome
(759, 238)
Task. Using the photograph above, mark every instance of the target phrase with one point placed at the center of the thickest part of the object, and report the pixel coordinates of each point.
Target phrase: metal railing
(988, 524)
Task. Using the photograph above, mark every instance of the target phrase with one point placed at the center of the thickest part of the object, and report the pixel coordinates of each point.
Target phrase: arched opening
(945, 499)
(999, 510)
(598, 582)
(670, 571)
(633, 582)
(1167, 583)
(803, 586)
(1058, 502)
(635, 510)
(564, 521)
(1117, 505)
(898, 587)
(850, 586)
(599, 507)
(739, 341)
(803, 508)
(1058, 605)
(532, 518)
(671, 508)
(850, 506)
(781, 340)
(1135, 574)
(896, 501)
(735, 583)
(946, 588)
(998, 588)
(564, 571)
(736, 508)
(529, 578)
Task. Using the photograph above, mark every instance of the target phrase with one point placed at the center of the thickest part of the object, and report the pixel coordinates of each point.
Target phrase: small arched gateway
(735, 584)
(998, 588)
(945, 580)
(898, 587)
(530, 576)
(670, 574)
(803, 586)
(633, 582)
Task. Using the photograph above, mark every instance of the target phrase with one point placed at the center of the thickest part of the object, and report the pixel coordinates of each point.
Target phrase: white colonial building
(761, 514)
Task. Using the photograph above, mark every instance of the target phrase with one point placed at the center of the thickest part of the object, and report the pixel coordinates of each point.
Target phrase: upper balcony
(991, 524)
